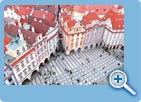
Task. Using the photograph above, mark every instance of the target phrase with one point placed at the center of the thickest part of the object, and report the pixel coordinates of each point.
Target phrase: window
(45, 47)
(38, 52)
(29, 67)
(23, 48)
(18, 52)
(33, 64)
(37, 46)
(71, 40)
(31, 56)
(25, 73)
(20, 76)
(27, 61)
(17, 68)
(22, 63)
(10, 79)
(41, 44)
(42, 49)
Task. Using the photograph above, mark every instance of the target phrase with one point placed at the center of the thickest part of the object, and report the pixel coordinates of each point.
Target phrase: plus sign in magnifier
(118, 79)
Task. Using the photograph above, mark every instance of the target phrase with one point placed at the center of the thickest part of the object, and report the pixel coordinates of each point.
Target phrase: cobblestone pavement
(90, 67)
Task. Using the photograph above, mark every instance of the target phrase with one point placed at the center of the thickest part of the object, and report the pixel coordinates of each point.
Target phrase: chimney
(20, 34)
(32, 28)
(19, 24)
(43, 16)
(40, 21)
(35, 19)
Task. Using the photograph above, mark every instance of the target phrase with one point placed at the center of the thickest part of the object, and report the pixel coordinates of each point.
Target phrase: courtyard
(89, 67)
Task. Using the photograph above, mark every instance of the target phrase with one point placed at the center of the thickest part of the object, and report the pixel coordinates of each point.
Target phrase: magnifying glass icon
(118, 79)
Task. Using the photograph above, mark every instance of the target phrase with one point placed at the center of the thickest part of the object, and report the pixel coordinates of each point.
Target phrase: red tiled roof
(29, 34)
(100, 9)
(79, 8)
(117, 19)
(71, 23)
(63, 14)
(89, 18)
(50, 23)
(21, 11)
(7, 40)
(120, 7)
(23, 21)
(11, 29)
(39, 14)
(109, 14)
(63, 6)
(67, 17)
(67, 7)
(40, 27)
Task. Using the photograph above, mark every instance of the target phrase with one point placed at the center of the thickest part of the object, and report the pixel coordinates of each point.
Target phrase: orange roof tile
(89, 18)
(39, 14)
(117, 19)
(67, 17)
(71, 23)
(79, 8)
(7, 40)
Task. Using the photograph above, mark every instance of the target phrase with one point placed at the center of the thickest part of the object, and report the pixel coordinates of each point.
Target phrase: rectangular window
(10, 79)
(22, 63)
(29, 67)
(20, 76)
(31, 56)
(41, 44)
(37, 46)
(42, 49)
(45, 47)
(27, 61)
(38, 52)
(18, 52)
(17, 68)
(25, 73)
(33, 64)
(23, 48)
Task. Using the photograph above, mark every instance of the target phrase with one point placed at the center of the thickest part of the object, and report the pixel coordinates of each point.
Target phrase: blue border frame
(81, 93)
